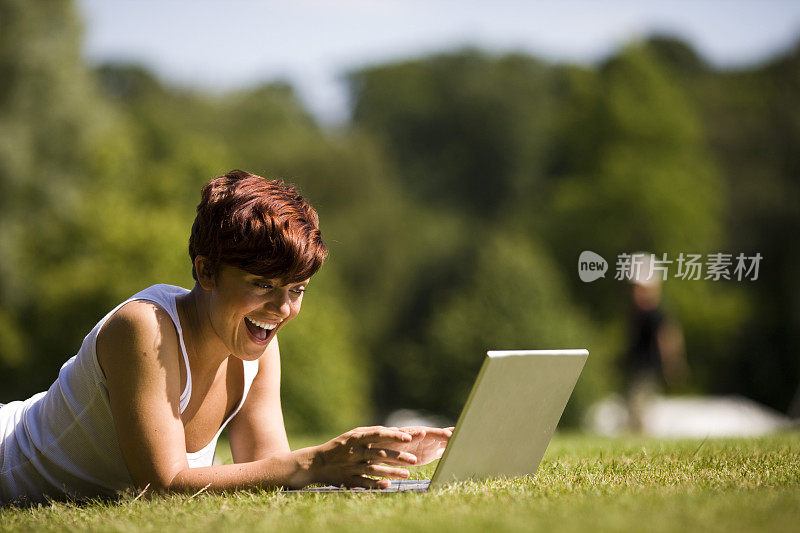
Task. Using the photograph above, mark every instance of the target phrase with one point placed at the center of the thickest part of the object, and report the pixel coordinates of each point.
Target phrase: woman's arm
(138, 352)
(137, 349)
(257, 430)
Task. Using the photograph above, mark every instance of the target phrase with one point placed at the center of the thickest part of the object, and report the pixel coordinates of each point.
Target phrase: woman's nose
(280, 304)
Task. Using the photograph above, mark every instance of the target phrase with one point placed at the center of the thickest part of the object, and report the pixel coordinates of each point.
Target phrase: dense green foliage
(455, 203)
(583, 484)
(642, 152)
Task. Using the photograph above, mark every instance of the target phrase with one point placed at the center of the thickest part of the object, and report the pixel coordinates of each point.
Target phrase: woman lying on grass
(154, 383)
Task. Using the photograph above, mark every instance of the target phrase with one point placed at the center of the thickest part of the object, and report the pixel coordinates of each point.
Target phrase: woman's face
(247, 310)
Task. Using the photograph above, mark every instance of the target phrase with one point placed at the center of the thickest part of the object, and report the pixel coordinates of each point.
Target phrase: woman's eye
(268, 287)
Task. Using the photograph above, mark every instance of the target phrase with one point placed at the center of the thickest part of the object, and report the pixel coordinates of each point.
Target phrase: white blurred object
(607, 416)
(410, 417)
(639, 270)
(689, 416)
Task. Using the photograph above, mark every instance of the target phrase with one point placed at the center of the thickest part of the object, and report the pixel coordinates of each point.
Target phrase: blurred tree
(637, 175)
(646, 182)
(677, 56)
(754, 129)
(47, 126)
(465, 130)
(511, 296)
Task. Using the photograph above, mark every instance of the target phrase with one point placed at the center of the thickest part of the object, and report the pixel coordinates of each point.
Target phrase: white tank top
(62, 442)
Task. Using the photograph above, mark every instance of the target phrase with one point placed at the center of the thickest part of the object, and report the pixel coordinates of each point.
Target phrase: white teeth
(262, 325)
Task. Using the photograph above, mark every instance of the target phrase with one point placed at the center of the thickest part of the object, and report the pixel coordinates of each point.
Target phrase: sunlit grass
(584, 483)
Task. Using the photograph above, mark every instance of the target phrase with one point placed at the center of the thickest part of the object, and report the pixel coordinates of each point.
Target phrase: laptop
(507, 422)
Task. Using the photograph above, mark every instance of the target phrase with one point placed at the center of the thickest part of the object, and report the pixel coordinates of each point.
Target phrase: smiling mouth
(260, 331)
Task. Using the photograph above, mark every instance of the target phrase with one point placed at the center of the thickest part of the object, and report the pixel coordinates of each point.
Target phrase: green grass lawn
(584, 484)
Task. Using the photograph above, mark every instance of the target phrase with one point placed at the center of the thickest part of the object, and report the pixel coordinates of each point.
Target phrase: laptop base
(396, 485)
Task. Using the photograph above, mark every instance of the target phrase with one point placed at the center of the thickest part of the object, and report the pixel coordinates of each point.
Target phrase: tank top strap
(250, 371)
(205, 456)
(164, 295)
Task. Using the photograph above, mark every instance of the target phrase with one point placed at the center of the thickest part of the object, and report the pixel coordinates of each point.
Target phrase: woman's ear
(205, 277)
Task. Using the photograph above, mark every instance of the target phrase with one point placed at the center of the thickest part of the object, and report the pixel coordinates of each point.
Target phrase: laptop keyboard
(396, 485)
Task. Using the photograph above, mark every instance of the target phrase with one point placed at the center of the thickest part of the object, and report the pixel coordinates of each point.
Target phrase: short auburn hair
(262, 226)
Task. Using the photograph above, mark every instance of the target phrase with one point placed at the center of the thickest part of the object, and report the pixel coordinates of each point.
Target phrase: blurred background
(461, 157)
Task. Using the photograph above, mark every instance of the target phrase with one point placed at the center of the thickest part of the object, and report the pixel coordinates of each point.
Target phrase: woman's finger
(379, 434)
(441, 433)
(367, 483)
(425, 431)
(386, 471)
(389, 456)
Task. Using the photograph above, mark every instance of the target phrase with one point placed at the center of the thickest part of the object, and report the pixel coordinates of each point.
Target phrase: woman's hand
(365, 451)
(427, 443)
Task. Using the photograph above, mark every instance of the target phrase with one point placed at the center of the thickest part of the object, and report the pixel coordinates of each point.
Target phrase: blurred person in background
(655, 353)
(154, 383)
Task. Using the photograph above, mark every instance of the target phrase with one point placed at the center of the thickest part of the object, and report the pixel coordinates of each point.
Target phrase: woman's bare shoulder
(141, 330)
